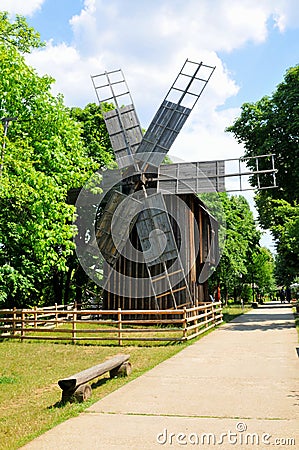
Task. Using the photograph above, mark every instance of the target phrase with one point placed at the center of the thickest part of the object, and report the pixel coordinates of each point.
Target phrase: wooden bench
(76, 387)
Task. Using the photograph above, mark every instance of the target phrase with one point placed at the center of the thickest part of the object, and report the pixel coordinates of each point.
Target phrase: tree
(285, 228)
(18, 34)
(98, 148)
(239, 238)
(44, 158)
(261, 271)
(94, 133)
(271, 125)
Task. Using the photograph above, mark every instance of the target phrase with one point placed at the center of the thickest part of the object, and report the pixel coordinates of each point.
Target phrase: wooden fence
(61, 324)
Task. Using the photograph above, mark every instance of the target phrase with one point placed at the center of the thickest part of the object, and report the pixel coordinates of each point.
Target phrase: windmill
(138, 225)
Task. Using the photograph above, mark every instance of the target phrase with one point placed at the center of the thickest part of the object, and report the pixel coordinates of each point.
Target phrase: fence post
(14, 322)
(35, 317)
(74, 327)
(207, 315)
(195, 313)
(56, 316)
(23, 316)
(120, 342)
(220, 313)
(185, 330)
(213, 315)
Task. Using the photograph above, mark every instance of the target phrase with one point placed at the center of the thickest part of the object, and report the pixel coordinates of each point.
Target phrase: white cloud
(220, 25)
(65, 65)
(22, 7)
(286, 14)
(204, 136)
(130, 30)
(150, 40)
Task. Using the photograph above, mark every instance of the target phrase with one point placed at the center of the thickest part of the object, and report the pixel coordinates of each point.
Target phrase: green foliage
(246, 293)
(18, 34)
(285, 228)
(44, 157)
(242, 259)
(271, 125)
(94, 133)
(167, 160)
(261, 269)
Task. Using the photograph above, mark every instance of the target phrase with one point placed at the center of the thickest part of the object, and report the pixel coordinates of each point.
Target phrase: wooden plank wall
(184, 232)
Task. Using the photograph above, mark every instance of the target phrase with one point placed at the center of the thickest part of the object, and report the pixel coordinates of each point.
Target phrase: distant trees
(244, 264)
(271, 125)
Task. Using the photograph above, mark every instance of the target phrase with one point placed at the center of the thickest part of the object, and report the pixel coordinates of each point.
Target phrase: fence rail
(61, 324)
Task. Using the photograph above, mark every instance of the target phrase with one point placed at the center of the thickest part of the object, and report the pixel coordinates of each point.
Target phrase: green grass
(232, 311)
(29, 394)
(29, 371)
(7, 380)
(110, 333)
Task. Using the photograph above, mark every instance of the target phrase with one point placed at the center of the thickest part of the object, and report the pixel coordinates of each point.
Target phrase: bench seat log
(113, 365)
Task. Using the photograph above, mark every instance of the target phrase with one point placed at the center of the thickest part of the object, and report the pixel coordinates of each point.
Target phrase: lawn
(88, 334)
(29, 393)
(29, 371)
(232, 311)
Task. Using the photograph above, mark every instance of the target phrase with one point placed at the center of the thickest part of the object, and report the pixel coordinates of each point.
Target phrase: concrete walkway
(235, 388)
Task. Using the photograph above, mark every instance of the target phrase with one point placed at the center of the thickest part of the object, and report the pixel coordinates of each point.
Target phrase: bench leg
(81, 394)
(121, 371)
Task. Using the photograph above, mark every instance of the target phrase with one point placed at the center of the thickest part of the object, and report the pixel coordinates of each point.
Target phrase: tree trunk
(67, 283)
(57, 287)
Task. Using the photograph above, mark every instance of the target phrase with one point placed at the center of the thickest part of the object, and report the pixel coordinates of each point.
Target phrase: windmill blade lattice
(185, 178)
(173, 113)
(207, 176)
(122, 122)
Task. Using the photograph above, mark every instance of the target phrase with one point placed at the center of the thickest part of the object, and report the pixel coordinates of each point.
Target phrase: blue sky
(52, 20)
(251, 42)
(257, 68)
(255, 62)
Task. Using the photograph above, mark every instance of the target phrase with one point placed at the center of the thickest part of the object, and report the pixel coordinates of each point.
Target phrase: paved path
(242, 376)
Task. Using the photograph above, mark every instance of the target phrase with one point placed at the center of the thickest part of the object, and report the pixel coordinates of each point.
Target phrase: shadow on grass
(62, 403)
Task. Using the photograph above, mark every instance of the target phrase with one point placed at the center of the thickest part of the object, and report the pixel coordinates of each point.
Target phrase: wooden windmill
(157, 239)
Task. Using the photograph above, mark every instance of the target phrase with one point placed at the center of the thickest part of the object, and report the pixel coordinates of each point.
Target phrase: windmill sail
(115, 223)
(155, 232)
(161, 133)
(196, 178)
(122, 122)
(173, 113)
(226, 175)
(125, 134)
